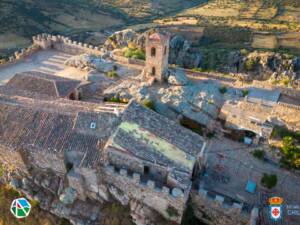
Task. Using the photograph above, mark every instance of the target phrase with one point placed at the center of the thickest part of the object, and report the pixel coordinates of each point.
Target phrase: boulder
(68, 196)
(15, 183)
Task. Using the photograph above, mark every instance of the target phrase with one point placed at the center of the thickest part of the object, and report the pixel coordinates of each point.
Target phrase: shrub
(269, 180)
(245, 93)
(2, 170)
(244, 52)
(134, 53)
(117, 100)
(34, 203)
(223, 90)
(149, 104)
(172, 212)
(112, 74)
(291, 153)
(250, 64)
(281, 132)
(259, 153)
(210, 135)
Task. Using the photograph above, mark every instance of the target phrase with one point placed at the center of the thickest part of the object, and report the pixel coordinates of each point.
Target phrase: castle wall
(133, 164)
(159, 199)
(125, 60)
(216, 211)
(65, 44)
(12, 159)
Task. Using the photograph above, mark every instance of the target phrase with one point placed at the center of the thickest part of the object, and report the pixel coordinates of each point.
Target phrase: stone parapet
(65, 44)
(159, 198)
(219, 209)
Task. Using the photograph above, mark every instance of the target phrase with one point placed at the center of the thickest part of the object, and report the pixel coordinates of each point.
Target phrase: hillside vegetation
(20, 19)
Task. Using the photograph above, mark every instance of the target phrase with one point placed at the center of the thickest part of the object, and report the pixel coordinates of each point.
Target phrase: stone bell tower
(157, 54)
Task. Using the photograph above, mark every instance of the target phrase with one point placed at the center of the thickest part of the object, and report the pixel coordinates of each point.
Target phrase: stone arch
(72, 96)
(153, 52)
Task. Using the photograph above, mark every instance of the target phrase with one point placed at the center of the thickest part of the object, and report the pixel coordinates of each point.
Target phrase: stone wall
(65, 44)
(214, 210)
(48, 161)
(158, 198)
(125, 60)
(130, 163)
(12, 159)
(20, 55)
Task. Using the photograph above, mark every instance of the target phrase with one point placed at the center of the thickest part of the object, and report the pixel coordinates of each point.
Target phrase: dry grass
(267, 13)
(215, 9)
(264, 41)
(290, 40)
(10, 40)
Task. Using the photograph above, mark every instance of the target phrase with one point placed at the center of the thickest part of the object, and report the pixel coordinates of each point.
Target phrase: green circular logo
(20, 208)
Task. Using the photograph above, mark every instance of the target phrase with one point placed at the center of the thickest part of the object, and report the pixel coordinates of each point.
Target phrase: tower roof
(158, 36)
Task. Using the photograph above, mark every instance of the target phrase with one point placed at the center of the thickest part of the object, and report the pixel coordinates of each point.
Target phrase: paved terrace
(231, 165)
(48, 61)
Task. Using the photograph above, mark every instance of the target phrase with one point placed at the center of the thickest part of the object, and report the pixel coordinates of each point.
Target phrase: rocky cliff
(257, 65)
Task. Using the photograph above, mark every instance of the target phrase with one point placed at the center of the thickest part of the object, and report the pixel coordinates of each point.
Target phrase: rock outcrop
(177, 77)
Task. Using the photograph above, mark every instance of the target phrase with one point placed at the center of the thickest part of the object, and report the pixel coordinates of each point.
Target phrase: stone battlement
(62, 43)
(148, 192)
(219, 200)
(223, 211)
(136, 179)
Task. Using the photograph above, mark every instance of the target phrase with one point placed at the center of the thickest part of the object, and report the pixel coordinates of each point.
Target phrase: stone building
(160, 154)
(132, 155)
(157, 55)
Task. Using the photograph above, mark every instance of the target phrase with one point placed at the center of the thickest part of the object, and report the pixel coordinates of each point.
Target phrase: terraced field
(273, 24)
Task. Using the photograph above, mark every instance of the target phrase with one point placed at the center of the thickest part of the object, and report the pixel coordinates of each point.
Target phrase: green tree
(269, 180)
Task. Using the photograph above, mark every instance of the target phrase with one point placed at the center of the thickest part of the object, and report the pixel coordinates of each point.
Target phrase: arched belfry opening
(153, 71)
(153, 52)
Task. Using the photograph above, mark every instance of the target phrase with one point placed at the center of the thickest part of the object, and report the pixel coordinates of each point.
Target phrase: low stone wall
(216, 211)
(159, 199)
(125, 60)
(65, 44)
(20, 55)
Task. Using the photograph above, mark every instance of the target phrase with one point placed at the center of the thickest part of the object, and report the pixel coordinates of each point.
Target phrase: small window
(153, 52)
(93, 125)
(165, 51)
(146, 170)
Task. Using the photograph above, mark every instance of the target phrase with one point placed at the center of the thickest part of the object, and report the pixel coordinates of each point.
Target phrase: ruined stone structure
(157, 54)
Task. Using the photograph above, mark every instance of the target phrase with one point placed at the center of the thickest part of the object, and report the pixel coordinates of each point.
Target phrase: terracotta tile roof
(54, 131)
(152, 137)
(37, 83)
